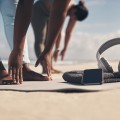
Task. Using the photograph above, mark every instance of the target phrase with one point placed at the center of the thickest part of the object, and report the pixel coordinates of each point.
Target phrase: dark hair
(81, 11)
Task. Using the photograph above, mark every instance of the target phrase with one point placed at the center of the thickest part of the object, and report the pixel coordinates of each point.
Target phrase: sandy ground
(103, 105)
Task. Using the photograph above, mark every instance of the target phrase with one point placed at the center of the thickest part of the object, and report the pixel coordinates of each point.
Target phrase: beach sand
(104, 105)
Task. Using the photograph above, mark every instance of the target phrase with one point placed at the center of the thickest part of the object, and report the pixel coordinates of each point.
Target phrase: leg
(8, 19)
(58, 14)
(53, 70)
(39, 24)
(4, 77)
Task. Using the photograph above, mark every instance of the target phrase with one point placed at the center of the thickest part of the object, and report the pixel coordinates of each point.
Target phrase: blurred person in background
(77, 13)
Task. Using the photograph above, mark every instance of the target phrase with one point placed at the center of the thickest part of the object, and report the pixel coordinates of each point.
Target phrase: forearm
(58, 14)
(69, 29)
(22, 20)
(67, 39)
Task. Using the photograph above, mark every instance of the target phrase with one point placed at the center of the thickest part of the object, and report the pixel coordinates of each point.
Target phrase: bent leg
(4, 77)
(39, 23)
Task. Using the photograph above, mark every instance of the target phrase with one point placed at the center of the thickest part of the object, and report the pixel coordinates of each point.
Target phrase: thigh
(8, 7)
(8, 10)
(39, 22)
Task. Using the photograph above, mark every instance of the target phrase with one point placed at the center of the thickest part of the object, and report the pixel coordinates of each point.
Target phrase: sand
(102, 105)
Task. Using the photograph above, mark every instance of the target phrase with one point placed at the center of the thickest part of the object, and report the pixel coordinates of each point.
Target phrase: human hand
(55, 55)
(15, 66)
(45, 60)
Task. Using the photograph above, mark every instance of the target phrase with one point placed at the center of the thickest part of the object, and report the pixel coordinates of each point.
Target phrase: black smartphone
(92, 77)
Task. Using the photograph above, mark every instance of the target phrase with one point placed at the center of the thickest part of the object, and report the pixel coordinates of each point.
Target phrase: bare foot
(5, 79)
(30, 75)
(53, 71)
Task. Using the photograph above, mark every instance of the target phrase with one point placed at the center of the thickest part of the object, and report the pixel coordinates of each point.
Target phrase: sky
(102, 24)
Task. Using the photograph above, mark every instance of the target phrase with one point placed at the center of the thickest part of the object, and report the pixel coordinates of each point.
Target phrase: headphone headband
(107, 45)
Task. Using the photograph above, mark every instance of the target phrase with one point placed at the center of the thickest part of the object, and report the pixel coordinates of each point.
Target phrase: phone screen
(92, 76)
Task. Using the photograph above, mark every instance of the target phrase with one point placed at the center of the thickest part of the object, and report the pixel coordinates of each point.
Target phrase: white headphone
(102, 63)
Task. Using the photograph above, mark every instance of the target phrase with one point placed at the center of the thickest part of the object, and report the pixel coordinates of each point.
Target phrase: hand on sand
(15, 66)
(45, 60)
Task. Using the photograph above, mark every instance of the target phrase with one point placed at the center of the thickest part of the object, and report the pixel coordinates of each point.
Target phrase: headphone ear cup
(107, 67)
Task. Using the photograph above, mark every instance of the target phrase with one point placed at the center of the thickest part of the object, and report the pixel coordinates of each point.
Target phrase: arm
(68, 33)
(57, 45)
(58, 14)
(22, 20)
(58, 42)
